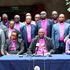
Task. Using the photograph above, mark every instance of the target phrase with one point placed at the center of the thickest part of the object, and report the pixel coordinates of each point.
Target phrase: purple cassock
(67, 48)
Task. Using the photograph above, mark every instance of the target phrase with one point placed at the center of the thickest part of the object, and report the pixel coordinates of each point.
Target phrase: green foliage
(68, 4)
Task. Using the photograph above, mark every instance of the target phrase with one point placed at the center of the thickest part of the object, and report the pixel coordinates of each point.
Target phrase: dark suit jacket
(19, 47)
(48, 41)
(52, 21)
(24, 33)
(5, 25)
(49, 27)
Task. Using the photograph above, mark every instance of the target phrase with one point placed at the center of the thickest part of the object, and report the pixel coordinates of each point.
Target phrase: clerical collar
(44, 19)
(14, 40)
(55, 20)
(41, 37)
(28, 24)
(17, 22)
(62, 23)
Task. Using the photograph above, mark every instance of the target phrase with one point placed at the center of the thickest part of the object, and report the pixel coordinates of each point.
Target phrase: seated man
(67, 48)
(14, 45)
(41, 45)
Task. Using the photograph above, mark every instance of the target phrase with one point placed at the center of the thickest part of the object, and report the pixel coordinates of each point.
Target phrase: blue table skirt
(14, 62)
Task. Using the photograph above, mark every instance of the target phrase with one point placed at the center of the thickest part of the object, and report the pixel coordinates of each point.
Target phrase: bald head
(12, 21)
(17, 18)
(11, 25)
(28, 14)
(5, 17)
(54, 12)
(43, 14)
(61, 15)
(28, 19)
(37, 17)
(61, 18)
(54, 15)
(41, 32)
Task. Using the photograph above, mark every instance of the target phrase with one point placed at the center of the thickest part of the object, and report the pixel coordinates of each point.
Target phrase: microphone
(43, 52)
(43, 48)
(49, 55)
(36, 50)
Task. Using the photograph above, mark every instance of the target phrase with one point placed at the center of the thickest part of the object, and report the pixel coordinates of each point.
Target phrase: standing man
(37, 17)
(45, 24)
(18, 24)
(54, 19)
(59, 32)
(28, 32)
(5, 20)
(32, 22)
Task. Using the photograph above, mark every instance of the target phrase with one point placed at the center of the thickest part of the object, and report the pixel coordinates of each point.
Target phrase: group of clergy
(40, 36)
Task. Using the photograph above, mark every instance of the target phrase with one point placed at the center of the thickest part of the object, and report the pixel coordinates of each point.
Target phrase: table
(25, 62)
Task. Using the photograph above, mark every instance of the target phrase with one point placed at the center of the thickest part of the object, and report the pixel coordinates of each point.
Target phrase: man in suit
(5, 20)
(37, 17)
(45, 24)
(2, 41)
(18, 24)
(32, 22)
(41, 45)
(14, 45)
(28, 32)
(59, 32)
(54, 19)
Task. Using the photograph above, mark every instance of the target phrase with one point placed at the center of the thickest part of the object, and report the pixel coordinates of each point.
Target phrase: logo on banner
(36, 68)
